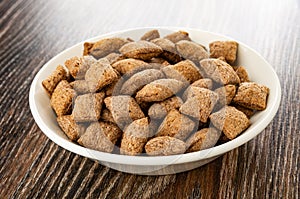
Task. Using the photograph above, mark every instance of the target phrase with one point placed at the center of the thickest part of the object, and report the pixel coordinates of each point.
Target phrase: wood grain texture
(32, 166)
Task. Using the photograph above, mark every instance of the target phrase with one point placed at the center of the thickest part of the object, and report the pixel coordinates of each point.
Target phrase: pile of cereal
(156, 96)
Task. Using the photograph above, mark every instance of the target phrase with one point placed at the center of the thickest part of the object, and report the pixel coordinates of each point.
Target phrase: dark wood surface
(32, 166)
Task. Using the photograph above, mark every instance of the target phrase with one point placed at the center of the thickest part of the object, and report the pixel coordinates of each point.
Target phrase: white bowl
(259, 71)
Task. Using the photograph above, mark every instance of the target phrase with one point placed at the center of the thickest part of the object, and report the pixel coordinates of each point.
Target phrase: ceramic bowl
(259, 71)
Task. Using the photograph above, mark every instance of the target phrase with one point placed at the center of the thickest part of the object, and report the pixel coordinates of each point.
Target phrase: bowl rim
(156, 160)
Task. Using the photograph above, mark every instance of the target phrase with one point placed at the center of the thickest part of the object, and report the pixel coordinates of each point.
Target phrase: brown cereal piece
(178, 36)
(80, 86)
(124, 109)
(203, 139)
(114, 87)
(88, 107)
(248, 112)
(252, 95)
(70, 127)
(176, 125)
(100, 136)
(185, 71)
(242, 73)
(201, 83)
(159, 90)
(140, 79)
(73, 64)
(200, 104)
(169, 50)
(79, 65)
(230, 120)
(88, 61)
(220, 71)
(135, 137)
(165, 145)
(226, 94)
(226, 49)
(114, 57)
(191, 50)
(51, 82)
(104, 47)
(141, 68)
(126, 66)
(143, 50)
(159, 110)
(190, 92)
(107, 116)
(100, 75)
(62, 97)
(150, 35)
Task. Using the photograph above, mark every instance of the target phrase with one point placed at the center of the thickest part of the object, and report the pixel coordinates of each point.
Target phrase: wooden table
(32, 166)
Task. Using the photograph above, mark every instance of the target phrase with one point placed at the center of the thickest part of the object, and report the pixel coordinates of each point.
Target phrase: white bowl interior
(258, 69)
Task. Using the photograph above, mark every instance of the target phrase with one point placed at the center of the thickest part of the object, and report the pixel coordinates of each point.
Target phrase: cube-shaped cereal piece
(252, 95)
(104, 47)
(80, 86)
(203, 139)
(242, 73)
(165, 145)
(70, 127)
(88, 107)
(114, 87)
(159, 90)
(127, 66)
(169, 50)
(124, 109)
(199, 104)
(51, 82)
(226, 94)
(230, 120)
(143, 50)
(135, 137)
(160, 109)
(220, 71)
(185, 71)
(79, 65)
(192, 51)
(140, 79)
(178, 36)
(201, 83)
(226, 49)
(100, 136)
(73, 64)
(150, 35)
(99, 75)
(176, 125)
(62, 98)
